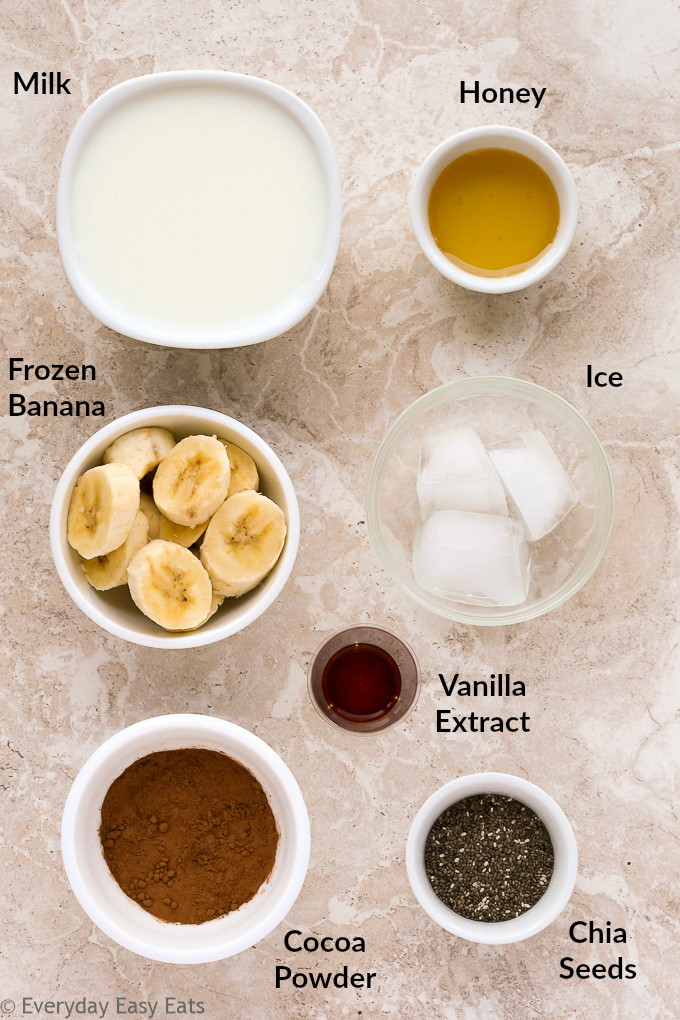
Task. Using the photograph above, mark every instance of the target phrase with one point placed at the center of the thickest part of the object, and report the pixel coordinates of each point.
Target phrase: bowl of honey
(364, 679)
(494, 209)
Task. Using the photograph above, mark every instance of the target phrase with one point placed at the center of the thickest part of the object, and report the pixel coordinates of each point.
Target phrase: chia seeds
(489, 857)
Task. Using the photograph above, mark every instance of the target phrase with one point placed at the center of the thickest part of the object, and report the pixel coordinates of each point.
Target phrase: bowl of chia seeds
(492, 858)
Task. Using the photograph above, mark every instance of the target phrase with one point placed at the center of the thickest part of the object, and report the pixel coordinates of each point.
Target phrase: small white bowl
(114, 610)
(498, 138)
(239, 334)
(560, 887)
(120, 917)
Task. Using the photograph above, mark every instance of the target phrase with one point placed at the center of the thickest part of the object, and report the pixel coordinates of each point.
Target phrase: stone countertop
(601, 672)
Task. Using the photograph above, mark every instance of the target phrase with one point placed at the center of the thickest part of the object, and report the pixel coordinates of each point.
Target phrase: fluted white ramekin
(120, 917)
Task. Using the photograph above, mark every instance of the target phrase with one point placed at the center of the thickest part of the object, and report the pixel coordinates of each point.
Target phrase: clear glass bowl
(497, 408)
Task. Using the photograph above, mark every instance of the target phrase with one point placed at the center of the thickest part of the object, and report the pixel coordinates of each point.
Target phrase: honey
(493, 212)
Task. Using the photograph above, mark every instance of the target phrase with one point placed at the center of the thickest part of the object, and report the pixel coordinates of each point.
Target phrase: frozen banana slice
(170, 586)
(141, 450)
(217, 601)
(243, 471)
(153, 515)
(171, 532)
(110, 571)
(192, 480)
(243, 542)
(103, 507)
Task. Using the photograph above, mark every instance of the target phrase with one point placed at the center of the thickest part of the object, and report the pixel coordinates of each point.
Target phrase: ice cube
(482, 559)
(536, 481)
(456, 473)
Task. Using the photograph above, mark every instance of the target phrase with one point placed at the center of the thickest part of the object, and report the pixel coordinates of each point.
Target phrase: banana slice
(110, 571)
(243, 470)
(102, 511)
(243, 542)
(171, 532)
(217, 601)
(153, 515)
(192, 480)
(141, 450)
(170, 586)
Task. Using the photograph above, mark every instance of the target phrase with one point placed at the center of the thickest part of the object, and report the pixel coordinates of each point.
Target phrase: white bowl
(120, 917)
(239, 334)
(500, 138)
(560, 887)
(114, 610)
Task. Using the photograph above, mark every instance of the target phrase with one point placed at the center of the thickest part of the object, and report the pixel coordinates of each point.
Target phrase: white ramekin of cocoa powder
(192, 870)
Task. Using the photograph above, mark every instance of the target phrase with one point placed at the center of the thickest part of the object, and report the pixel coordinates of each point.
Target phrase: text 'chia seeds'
(489, 857)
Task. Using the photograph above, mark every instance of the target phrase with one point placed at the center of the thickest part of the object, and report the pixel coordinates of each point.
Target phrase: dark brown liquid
(361, 682)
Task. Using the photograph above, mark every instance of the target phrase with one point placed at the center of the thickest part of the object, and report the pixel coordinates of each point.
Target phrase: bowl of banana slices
(174, 527)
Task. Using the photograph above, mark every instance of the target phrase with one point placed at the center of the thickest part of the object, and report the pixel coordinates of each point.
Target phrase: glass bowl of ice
(490, 501)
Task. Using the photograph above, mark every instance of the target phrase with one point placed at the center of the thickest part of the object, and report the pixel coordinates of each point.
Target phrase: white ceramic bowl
(239, 334)
(561, 885)
(120, 917)
(500, 138)
(114, 610)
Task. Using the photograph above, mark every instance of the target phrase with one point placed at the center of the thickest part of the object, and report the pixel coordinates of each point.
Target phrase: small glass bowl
(402, 654)
(497, 408)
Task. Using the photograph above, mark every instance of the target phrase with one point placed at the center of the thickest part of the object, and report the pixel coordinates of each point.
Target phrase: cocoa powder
(189, 834)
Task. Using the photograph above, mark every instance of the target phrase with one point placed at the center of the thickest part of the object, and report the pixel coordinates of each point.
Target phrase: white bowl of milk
(199, 209)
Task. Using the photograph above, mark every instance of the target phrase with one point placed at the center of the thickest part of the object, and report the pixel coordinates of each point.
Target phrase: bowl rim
(564, 874)
(171, 724)
(200, 637)
(239, 334)
(604, 522)
(442, 155)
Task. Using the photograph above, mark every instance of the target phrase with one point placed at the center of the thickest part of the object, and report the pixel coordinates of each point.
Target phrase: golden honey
(493, 212)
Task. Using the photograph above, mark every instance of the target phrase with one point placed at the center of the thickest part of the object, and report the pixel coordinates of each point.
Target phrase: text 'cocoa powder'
(189, 834)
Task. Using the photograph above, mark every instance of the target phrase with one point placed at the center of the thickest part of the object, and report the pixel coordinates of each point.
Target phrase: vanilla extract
(447, 722)
(499, 685)
(361, 682)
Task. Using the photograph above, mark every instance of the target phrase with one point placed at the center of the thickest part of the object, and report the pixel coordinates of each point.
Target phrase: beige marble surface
(602, 673)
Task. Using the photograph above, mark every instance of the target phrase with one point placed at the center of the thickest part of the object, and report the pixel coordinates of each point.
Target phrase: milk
(199, 205)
